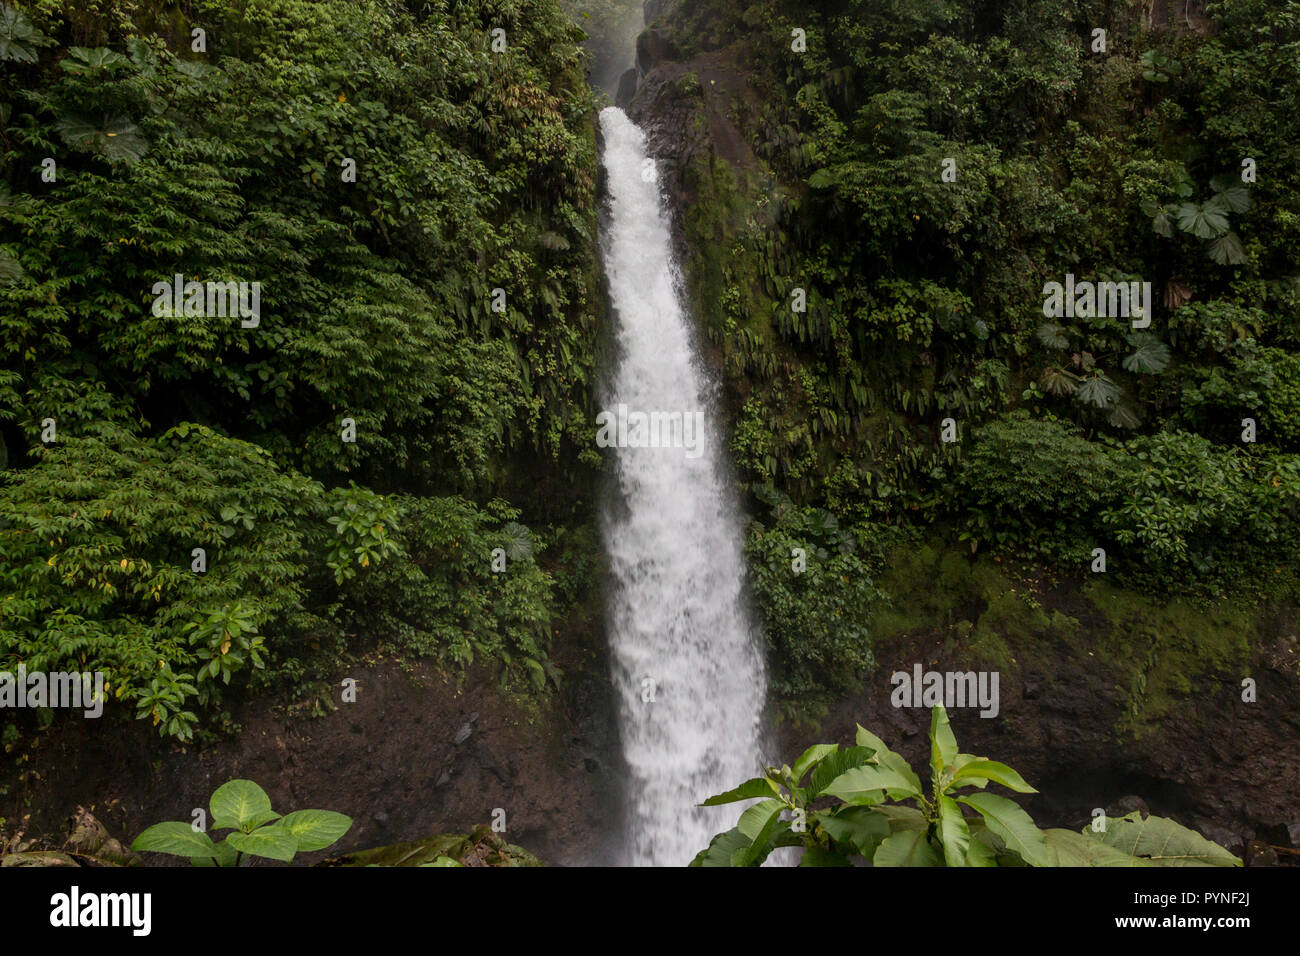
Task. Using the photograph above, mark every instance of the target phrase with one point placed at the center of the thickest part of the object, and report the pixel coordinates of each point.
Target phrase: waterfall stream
(686, 659)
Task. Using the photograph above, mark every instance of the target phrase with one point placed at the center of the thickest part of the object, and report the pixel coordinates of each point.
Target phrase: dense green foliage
(243, 807)
(924, 296)
(871, 822)
(815, 588)
(131, 435)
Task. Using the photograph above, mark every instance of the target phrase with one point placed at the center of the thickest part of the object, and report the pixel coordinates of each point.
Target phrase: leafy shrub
(440, 597)
(1191, 507)
(97, 567)
(814, 619)
(1036, 487)
(258, 831)
(863, 826)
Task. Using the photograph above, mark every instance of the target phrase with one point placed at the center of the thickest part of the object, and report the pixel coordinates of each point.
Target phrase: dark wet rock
(654, 46)
(1260, 854)
(376, 752)
(626, 88)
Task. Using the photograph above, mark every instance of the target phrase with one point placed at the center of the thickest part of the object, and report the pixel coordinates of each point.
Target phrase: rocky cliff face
(415, 755)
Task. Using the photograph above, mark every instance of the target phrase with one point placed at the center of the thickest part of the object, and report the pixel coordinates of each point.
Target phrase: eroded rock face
(653, 46)
(392, 761)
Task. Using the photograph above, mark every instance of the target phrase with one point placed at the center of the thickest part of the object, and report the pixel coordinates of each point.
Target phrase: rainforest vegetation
(863, 301)
(206, 510)
(349, 465)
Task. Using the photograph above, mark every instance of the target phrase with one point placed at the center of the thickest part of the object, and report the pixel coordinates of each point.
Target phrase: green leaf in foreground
(1012, 824)
(975, 770)
(749, 790)
(1163, 842)
(237, 803)
(178, 839)
(316, 829)
(273, 841)
(907, 848)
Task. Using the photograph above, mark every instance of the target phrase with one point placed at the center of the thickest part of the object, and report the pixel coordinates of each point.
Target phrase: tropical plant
(1205, 220)
(243, 807)
(883, 816)
(18, 37)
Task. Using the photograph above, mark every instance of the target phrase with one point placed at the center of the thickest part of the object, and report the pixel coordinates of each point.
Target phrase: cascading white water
(685, 653)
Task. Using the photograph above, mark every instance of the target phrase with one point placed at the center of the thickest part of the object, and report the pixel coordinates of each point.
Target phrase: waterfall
(685, 654)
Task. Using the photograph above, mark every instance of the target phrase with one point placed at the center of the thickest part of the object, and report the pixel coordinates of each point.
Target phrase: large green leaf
(862, 828)
(902, 817)
(1227, 250)
(11, 271)
(1203, 220)
(316, 829)
(1057, 381)
(1098, 391)
(1125, 414)
(1068, 848)
(113, 137)
(1012, 824)
(1052, 335)
(1237, 198)
(821, 179)
(970, 780)
(82, 59)
(954, 834)
(756, 817)
(273, 841)
(886, 757)
(1162, 842)
(943, 743)
(1149, 355)
(835, 764)
(868, 785)
(810, 758)
(979, 852)
(760, 823)
(237, 804)
(751, 789)
(723, 849)
(178, 839)
(906, 848)
(18, 36)
(1161, 220)
(982, 769)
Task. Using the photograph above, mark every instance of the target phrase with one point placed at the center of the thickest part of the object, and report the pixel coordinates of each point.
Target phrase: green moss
(1170, 650)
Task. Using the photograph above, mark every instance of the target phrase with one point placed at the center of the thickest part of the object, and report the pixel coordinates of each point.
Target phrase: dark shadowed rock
(652, 48)
(626, 88)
